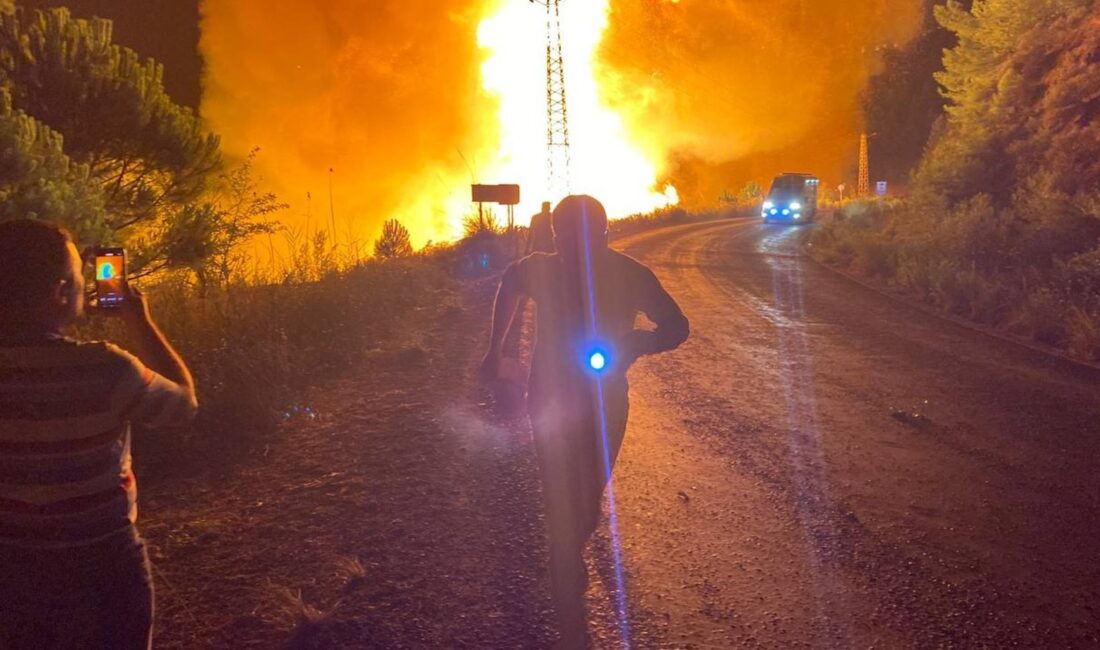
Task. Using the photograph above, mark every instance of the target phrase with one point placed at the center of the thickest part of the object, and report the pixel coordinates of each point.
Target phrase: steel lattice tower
(557, 114)
(863, 188)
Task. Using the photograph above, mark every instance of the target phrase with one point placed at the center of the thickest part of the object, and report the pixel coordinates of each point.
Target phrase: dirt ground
(396, 512)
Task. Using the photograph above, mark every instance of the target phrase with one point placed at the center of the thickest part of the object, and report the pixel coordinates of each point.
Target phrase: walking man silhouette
(540, 235)
(587, 298)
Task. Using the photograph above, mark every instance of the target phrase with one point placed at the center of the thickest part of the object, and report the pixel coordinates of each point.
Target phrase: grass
(1025, 270)
(353, 572)
(673, 216)
(308, 623)
(258, 343)
(256, 348)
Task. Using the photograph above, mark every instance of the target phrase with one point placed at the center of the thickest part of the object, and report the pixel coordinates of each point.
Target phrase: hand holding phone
(110, 279)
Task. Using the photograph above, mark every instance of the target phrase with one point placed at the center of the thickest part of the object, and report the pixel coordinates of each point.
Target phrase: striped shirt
(65, 414)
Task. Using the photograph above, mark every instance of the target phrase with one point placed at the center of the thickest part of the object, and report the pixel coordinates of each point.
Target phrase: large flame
(409, 101)
(605, 163)
(385, 93)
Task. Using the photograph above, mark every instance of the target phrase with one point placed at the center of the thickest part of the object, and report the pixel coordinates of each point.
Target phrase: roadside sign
(502, 194)
(880, 188)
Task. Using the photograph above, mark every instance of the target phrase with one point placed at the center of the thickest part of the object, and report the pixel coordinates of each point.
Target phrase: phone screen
(110, 277)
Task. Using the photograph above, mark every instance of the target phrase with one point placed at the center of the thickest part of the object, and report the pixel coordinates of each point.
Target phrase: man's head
(579, 221)
(41, 277)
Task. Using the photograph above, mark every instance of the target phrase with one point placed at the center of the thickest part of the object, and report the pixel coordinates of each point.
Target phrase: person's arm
(660, 308)
(149, 343)
(504, 311)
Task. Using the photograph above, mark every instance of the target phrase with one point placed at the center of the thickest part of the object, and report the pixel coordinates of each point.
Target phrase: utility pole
(557, 114)
(863, 187)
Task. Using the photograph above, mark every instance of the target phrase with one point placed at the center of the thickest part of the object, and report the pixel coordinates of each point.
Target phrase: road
(822, 466)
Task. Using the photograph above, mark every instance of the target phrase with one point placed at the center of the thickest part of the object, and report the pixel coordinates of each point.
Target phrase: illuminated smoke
(390, 94)
(384, 92)
(731, 90)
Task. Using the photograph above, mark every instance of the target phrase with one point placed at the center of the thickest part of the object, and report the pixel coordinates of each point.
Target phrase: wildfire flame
(409, 101)
(605, 163)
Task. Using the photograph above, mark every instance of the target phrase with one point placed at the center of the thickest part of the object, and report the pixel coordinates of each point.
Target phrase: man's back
(575, 310)
(65, 476)
(540, 235)
(587, 298)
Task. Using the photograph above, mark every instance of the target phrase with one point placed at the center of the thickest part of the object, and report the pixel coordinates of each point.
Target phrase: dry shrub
(1083, 332)
(256, 349)
(1001, 267)
(307, 623)
(672, 216)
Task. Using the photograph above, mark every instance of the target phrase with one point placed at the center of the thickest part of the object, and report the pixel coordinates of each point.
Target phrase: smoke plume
(731, 90)
(386, 93)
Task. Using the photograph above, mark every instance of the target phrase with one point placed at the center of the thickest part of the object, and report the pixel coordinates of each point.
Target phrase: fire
(409, 101)
(605, 163)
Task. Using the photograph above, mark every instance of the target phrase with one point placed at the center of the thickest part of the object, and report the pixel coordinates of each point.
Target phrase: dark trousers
(570, 443)
(99, 596)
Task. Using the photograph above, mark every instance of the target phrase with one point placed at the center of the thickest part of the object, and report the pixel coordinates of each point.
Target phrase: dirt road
(820, 466)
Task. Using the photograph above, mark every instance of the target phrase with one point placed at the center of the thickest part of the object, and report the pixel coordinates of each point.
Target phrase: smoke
(386, 93)
(731, 90)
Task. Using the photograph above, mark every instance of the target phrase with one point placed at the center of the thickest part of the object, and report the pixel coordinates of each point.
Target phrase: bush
(480, 225)
(255, 350)
(394, 242)
(1003, 225)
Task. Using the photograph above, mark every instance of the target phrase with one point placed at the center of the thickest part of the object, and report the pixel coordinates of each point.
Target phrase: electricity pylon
(557, 113)
(863, 187)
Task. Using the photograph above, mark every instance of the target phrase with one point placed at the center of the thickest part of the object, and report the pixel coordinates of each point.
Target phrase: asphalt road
(821, 466)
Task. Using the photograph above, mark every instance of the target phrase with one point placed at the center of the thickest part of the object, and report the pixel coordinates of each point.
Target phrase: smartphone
(110, 277)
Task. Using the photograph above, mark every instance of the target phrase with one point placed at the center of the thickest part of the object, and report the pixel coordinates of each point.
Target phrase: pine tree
(38, 180)
(150, 156)
(986, 95)
(394, 242)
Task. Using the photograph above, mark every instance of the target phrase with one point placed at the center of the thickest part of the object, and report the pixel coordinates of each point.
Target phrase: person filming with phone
(74, 573)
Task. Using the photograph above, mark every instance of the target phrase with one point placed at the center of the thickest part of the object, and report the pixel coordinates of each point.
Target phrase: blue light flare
(613, 519)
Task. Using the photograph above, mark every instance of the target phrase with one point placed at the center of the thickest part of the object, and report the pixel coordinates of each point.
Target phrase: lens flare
(605, 163)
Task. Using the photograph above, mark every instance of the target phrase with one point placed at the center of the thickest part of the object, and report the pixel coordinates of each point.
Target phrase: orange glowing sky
(409, 101)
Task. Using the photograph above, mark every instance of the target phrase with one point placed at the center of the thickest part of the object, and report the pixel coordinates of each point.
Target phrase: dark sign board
(502, 194)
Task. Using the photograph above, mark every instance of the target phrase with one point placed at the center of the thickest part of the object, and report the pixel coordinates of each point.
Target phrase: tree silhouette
(150, 156)
(38, 180)
(394, 241)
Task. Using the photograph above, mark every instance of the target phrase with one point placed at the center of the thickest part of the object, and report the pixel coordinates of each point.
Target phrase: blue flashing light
(774, 211)
(796, 206)
(786, 211)
(596, 357)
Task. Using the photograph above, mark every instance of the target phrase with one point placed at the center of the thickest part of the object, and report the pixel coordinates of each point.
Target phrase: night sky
(167, 30)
